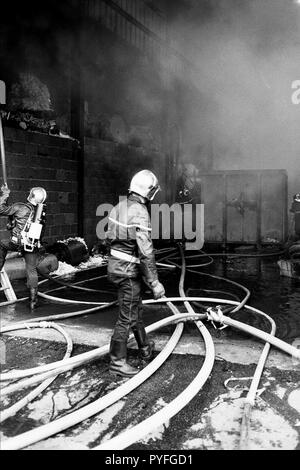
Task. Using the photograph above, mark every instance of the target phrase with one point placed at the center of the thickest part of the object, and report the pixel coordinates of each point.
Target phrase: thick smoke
(246, 55)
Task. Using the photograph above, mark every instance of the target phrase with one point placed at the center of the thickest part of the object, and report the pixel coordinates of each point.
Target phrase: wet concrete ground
(277, 296)
(212, 419)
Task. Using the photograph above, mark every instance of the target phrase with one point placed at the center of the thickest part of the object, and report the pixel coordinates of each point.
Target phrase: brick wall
(109, 168)
(38, 159)
(35, 159)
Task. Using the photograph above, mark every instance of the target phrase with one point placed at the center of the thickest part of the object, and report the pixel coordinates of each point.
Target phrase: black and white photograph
(150, 228)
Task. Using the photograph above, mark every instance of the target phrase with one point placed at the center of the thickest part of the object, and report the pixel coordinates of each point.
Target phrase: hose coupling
(215, 315)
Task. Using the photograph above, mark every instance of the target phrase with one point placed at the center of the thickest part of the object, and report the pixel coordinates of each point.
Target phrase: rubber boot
(33, 298)
(118, 365)
(145, 346)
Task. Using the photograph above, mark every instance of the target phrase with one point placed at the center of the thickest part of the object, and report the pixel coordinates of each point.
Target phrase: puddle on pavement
(275, 295)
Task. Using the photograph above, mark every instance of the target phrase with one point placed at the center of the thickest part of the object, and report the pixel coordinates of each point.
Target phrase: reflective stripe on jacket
(129, 231)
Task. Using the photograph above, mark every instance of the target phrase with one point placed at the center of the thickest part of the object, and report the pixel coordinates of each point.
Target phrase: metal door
(245, 206)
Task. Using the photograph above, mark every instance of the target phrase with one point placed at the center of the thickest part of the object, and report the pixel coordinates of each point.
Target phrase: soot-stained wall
(36, 159)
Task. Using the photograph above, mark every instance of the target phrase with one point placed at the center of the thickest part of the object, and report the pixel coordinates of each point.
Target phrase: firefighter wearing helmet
(296, 210)
(23, 217)
(131, 262)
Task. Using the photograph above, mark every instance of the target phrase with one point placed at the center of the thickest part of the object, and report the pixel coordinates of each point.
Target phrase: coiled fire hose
(11, 411)
(175, 311)
(250, 399)
(218, 316)
(31, 437)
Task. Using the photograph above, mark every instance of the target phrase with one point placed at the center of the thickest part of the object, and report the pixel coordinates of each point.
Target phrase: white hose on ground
(47, 430)
(235, 255)
(178, 329)
(181, 282)
(233, 283)
(159, 418)
(12, 410)
(239, 325)
(12, 302)
(266, 337)
(250, 399)
(69, 301)
(45, 295)
(91, 355)
(88, 357)
(163, 265)
(76, 283)
(278, 343)
(139, 431)
(62, 316)
(236, 284)
(95, 355)
(251, 396)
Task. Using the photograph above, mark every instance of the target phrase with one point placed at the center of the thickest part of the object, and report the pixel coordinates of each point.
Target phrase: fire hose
(7, 413)
(216, 316)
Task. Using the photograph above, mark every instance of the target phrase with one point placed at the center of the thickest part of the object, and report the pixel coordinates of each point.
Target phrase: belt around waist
(124, 256)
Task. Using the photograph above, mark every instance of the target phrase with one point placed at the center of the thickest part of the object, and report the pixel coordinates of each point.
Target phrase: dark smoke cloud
(246, 54)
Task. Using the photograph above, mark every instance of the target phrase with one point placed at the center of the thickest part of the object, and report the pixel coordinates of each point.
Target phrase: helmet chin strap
(31, 201)
(152, 196)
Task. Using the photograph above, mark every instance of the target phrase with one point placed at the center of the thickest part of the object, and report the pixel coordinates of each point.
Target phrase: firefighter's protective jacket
(18, 215)
(129, 239)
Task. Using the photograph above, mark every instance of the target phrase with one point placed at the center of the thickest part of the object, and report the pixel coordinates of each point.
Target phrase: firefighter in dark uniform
(296, 210)
(131, 262)
(19, 214)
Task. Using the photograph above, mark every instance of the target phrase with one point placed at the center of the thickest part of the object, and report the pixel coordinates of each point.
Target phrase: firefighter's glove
(158, 290)
(5, 192)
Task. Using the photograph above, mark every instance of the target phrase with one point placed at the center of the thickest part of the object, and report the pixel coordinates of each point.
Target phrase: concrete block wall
(109, 168)
(35, 159)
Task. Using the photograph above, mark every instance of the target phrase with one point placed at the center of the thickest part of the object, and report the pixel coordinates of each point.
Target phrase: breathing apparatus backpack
(32, 232)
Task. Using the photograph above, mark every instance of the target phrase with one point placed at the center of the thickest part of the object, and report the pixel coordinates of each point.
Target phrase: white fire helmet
(37, 196)
(145, 184)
